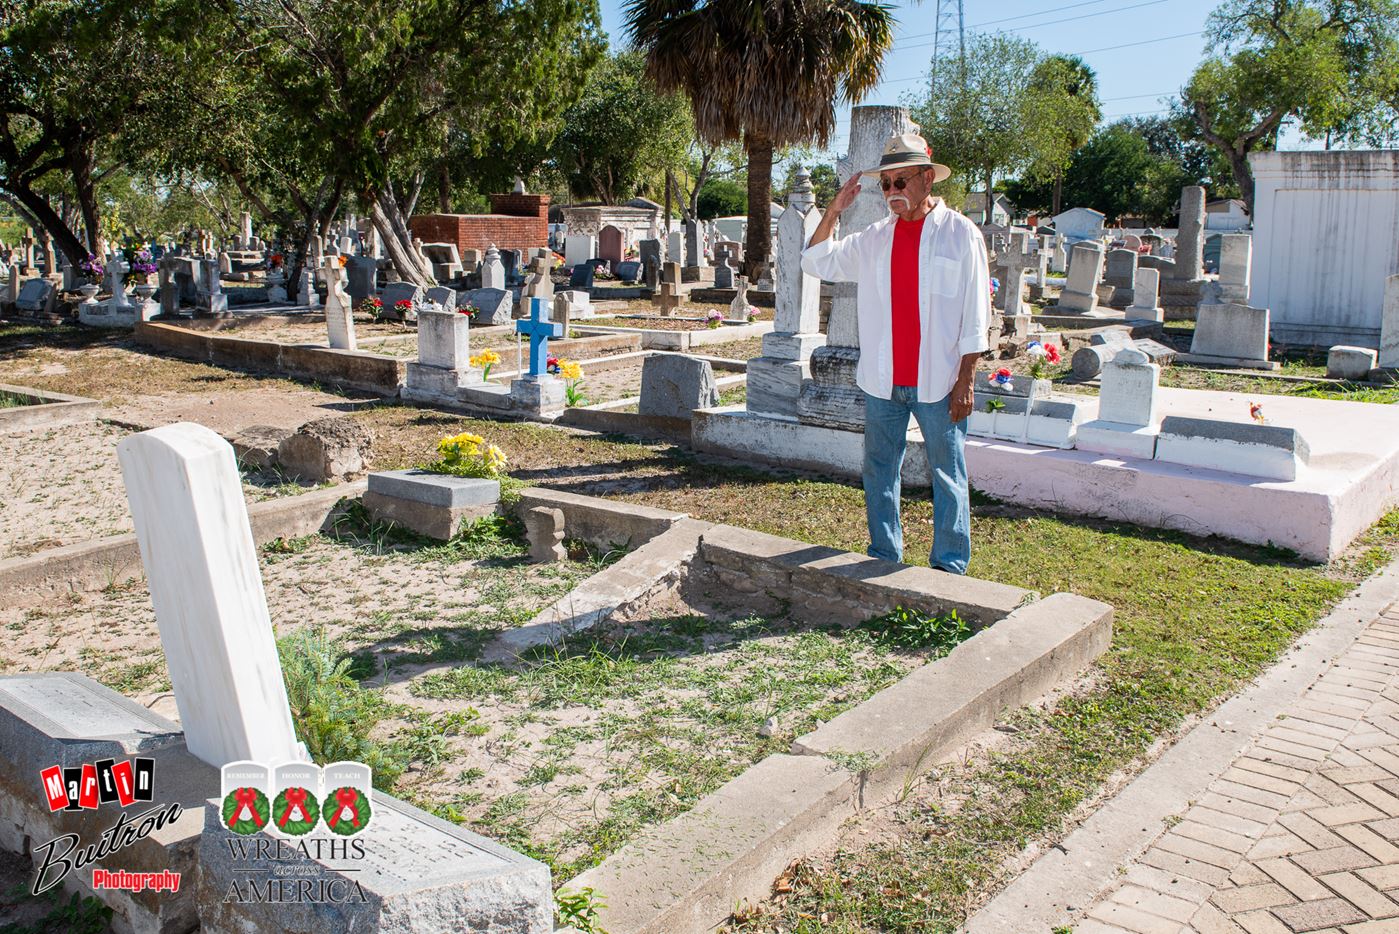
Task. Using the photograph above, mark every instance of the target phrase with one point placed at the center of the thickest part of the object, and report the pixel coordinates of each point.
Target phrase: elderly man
(924, 308)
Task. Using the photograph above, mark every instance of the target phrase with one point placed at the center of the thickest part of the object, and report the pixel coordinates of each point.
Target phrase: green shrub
(914, 629)
(332, 713)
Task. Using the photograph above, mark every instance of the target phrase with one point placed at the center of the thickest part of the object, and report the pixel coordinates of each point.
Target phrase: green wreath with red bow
(345, 811)
(296, 811)
(245, 810)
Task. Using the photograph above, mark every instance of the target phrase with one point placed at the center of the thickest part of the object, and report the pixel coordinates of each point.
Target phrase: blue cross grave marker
(539, 329)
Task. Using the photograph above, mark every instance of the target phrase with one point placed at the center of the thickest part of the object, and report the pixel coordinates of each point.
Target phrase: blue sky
(1142, 50)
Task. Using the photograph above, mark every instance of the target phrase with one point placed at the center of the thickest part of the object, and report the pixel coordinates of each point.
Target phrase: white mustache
(892, 198)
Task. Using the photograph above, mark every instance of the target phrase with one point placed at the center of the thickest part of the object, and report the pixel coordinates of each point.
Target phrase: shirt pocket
(946, 277)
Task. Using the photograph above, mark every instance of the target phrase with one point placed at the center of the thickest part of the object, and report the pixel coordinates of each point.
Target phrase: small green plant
(288, 546)
(76, 915)
(579, 910)
(913, 629)
(10, 400)
(994, 405)
(333, 714)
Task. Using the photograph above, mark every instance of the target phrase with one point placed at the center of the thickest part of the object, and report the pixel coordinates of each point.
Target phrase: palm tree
(767, 73)
(1079, 82)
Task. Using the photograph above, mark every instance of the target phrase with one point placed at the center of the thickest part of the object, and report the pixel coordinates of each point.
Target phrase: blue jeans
(886, 437)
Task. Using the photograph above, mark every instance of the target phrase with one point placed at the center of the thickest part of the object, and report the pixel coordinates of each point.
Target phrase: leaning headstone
(191, 521)
(35, 297)
(396, 292)
(1120, 272)
(442, 296)
(1080, 294)
(1389, 324)
(628, 271)
(495, 305)
(1230, 335)
(674, 385)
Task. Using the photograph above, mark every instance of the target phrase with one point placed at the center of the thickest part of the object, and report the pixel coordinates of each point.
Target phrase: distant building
(1077, 224)
(518, 221)
(1226, 214)
(1002, 211)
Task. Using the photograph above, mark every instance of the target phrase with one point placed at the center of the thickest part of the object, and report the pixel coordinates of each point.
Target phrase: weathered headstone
(492, 270)
(191, 523)
(674, 385)
(1389, 324)
(1144, 295)
(675, 247)
(1235, 266)
(611, 243)
(775, 379)
(211, 300)
(723, 277)
(363, 274)
(628, 271)
(1353, 363)
(1080, 295)
(496, 305)
(396, 292)
(739, 309)
(651, 259)
(442, 296)
(510, 260)
(538, 283)
(339, 313)
(1231, 335)
(694, 245)
(35, 297)
(1127, 408)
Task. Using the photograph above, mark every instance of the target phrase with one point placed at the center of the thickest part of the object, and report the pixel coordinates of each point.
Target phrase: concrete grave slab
(431, 504)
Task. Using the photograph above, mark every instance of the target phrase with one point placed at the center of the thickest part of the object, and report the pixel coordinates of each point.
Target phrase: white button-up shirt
(954, 298)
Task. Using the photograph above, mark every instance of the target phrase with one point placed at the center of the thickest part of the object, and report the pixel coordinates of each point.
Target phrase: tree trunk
(80, 158)
(398, 242)
(38, 206)
(444, 189)
(1243, 175)
(758, 244)
(1058, 191)
(669, 180)
(987, 215)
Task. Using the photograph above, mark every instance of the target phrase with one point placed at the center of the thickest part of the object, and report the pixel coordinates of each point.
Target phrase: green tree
(1330, 65)
(622, 133)
(768, 73)
(1062, 98)
(722, 197)
(370, 91)
(79, 80)
(979, 117)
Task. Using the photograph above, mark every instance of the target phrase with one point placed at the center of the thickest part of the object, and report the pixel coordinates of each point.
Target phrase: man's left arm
(976, 322)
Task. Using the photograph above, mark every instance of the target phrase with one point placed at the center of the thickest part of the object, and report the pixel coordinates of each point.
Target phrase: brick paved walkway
(1300, 833)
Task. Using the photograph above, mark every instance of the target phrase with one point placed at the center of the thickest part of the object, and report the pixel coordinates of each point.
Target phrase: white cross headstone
(339, 314)
(191, 522)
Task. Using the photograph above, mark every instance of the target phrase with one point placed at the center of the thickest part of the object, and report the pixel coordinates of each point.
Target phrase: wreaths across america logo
(296, 798)
(311, 814)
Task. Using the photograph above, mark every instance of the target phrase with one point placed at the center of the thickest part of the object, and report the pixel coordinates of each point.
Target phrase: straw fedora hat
(909, 151)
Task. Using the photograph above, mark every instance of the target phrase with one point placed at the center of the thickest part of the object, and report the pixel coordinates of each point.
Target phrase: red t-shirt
(903, 278)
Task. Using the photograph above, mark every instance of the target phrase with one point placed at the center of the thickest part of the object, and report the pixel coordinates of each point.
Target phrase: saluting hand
(846, 196)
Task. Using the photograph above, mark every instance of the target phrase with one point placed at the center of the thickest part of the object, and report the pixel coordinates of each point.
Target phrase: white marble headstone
(191, 522)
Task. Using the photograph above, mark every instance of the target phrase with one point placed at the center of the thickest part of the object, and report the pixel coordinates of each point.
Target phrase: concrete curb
(686, 876)
(597, 521)
(46, 410)
(104, 562)
(350, 369)
(1069, 876)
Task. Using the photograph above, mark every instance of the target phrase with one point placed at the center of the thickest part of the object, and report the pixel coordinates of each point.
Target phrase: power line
(1128, 45)
(1056, 22)
(1071, 6)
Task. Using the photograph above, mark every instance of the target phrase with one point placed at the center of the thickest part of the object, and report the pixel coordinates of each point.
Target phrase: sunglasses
(898, 183)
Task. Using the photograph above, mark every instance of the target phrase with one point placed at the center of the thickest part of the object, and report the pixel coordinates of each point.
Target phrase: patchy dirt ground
(62, 486)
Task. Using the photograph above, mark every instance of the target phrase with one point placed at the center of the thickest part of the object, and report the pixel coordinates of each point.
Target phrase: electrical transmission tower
(949, 28)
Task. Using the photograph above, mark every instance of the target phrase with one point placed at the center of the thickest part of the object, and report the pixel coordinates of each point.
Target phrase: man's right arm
(833, 260)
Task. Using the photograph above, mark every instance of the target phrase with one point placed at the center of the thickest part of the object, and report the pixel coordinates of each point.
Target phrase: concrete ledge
(104, 562)
(627, 423)
(1231, 363)
(914, 724)
(45, 410)
(658, 565)
(653, 339)
(346, 368)
(847, 587)
(599, 522)
(686, 875)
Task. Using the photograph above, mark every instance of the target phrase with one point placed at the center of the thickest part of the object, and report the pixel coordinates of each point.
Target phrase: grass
(11, 400)
(610, 734)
